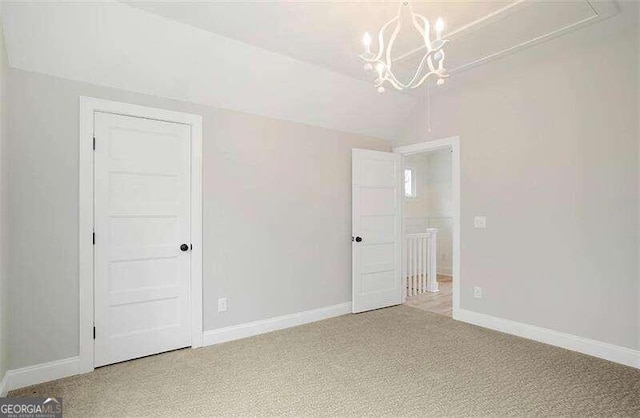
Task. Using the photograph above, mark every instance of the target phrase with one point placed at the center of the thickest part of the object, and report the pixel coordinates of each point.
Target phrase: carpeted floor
(395, 361)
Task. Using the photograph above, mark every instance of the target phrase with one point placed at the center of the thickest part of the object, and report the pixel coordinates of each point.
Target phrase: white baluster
(425, 265)
(432, 278)
(414, 290)
(405, 264)
(409, 253)
(421, 249)
(420, 262)
(414, 259)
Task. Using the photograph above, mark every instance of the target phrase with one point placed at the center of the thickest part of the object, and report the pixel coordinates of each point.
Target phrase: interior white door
(376, 241)
(141, 218)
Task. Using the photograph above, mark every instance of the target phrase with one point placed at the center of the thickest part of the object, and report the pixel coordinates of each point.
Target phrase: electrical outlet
(480, 222)
(477, 292)
(222, 305)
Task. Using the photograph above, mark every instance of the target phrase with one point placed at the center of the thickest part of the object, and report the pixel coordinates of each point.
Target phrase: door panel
(142, 198)
(377, 217)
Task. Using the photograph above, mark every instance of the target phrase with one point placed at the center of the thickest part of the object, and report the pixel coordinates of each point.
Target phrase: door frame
(452, 142)
(88, 107)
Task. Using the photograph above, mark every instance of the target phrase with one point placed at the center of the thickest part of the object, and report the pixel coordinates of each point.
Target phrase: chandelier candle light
(431, 64)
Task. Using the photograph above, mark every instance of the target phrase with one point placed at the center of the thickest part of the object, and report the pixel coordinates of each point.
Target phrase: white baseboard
(250, 329)
(617, 354)
(27, 376)
(40, 373)
(46, 372)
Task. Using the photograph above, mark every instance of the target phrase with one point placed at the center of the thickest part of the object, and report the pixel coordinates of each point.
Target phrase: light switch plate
(480, 222)
(222, 305)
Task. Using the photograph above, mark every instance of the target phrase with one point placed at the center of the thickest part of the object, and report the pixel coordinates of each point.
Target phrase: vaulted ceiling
(288, 60)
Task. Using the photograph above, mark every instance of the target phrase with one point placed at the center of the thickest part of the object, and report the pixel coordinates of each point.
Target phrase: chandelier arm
(441, 61)
(422, 80)
(440, 70)
(381, 46)
(389, 75)
(391, 78)
(423, 32)
(378, 55)
(432, 69)
(391, 41)
(426, 57)
(429, 74)
(394, 82)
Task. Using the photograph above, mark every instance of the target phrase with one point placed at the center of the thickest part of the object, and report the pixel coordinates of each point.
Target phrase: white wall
(277, 213)
(439, 209)
(549, 153)
(3, 214)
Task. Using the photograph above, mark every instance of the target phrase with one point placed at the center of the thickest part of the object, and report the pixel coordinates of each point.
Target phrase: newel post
(432, 275)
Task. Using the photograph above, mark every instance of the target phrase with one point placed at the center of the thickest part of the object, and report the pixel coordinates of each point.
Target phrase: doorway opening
(430, 226)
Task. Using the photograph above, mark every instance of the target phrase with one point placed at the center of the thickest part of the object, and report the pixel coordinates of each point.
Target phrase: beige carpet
(395, 361)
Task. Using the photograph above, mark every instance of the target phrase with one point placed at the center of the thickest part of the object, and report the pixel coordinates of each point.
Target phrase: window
(410, 182)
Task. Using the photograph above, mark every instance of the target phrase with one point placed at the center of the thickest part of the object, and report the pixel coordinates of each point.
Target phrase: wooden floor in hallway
(436, 302)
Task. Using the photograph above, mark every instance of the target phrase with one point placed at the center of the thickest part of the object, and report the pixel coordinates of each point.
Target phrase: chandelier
(431, 64)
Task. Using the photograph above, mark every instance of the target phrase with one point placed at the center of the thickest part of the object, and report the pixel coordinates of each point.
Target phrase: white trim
(196, 232)
(452, 142)
(88, 106)
(33, 375)
(4, 388)
(250, 329)
(46, 372)
(40, 373)
(594, 348)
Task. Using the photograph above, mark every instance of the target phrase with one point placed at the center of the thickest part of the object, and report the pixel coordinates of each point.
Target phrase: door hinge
(94, 238)
(94, 143)
(94, 333)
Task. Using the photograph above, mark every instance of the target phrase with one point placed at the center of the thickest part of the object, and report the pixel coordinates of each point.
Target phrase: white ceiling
(288, 60)
(328, 34)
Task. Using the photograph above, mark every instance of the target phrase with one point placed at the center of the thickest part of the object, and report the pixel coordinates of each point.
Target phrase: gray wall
(4, 322)
(277, 214)
(549, 153)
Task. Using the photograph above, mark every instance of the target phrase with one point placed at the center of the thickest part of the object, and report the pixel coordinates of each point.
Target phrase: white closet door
(142, 198)
(377, 216)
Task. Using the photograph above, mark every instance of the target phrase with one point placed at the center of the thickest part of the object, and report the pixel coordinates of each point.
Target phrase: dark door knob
(358, 239)
(184, 247)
